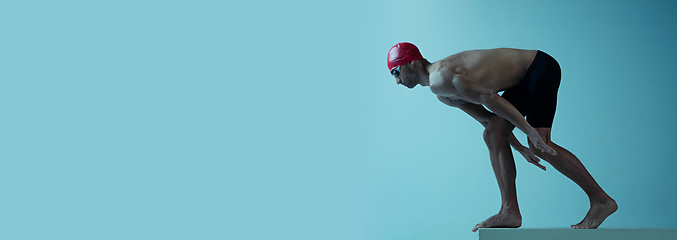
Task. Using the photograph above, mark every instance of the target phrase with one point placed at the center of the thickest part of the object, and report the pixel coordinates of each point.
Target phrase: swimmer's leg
(496, 137)
(601, 205)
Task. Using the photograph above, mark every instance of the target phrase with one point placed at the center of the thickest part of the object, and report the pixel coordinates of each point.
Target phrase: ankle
(600, 199)
(510, 210)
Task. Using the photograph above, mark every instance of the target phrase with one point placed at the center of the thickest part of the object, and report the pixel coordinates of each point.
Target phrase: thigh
(519, 98)
(543, 102)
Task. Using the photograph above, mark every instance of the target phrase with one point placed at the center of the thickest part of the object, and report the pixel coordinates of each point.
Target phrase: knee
(496, 131)
(493, 136)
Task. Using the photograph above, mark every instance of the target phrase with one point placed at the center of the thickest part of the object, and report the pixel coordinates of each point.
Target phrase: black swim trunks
(536, 96)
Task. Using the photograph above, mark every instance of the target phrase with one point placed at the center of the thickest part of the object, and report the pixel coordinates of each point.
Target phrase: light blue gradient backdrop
(279, 120)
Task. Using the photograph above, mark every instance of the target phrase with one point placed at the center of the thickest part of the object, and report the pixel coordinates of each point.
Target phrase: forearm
(479, 113)
(515, 143)
(507, 111)
(468, 89)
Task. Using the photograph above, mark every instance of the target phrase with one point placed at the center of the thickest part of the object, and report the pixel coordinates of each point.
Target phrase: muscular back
(495, 69)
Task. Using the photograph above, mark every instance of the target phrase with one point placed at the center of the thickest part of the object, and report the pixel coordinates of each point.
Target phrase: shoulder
(442, 77)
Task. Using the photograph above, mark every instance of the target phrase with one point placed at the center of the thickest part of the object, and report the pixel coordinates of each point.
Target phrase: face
(403, 75)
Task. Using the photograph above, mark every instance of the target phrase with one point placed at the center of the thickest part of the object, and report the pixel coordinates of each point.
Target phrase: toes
(479, 225)
(585, 225)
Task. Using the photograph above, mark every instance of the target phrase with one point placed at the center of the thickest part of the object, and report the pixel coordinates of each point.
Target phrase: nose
(398, 81)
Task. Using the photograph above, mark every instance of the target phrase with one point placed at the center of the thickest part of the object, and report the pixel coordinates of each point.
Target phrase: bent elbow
(489, 97)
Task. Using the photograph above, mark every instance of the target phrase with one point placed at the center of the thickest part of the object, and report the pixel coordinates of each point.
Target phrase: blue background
(279, 120)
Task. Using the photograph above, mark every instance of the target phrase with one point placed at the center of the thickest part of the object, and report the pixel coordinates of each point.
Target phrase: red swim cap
(402, 53)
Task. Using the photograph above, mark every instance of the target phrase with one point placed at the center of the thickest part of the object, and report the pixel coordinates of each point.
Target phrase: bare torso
(495, 69)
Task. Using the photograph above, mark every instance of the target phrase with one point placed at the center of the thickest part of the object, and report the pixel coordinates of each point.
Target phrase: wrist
(532, 132)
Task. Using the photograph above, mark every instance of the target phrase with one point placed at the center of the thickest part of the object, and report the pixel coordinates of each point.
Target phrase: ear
(414, 64)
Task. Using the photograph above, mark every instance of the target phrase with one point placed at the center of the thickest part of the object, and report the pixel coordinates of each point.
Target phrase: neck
(425, 73)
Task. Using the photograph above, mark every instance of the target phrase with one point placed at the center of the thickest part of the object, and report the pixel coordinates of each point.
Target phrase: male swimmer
(530, 80)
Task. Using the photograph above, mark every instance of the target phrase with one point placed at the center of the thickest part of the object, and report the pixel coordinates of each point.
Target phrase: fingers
(551, 150)
(477, 227)
(530, 157)
(540, 145)
(533, 158)
(539, 165)
(545, 148)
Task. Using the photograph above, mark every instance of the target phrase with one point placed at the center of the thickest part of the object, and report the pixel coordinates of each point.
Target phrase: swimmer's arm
(479, 113)
(465, 88)
(459, 86)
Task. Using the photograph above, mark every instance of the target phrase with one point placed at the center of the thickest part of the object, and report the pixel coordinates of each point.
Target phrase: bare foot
(501, 220)
(597, 214)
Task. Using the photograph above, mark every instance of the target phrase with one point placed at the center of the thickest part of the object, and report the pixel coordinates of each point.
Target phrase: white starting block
(577, 234)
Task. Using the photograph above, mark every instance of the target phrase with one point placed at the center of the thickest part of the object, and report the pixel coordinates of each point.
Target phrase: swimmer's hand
(530, 157)
(536, 139)
(526, 153)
